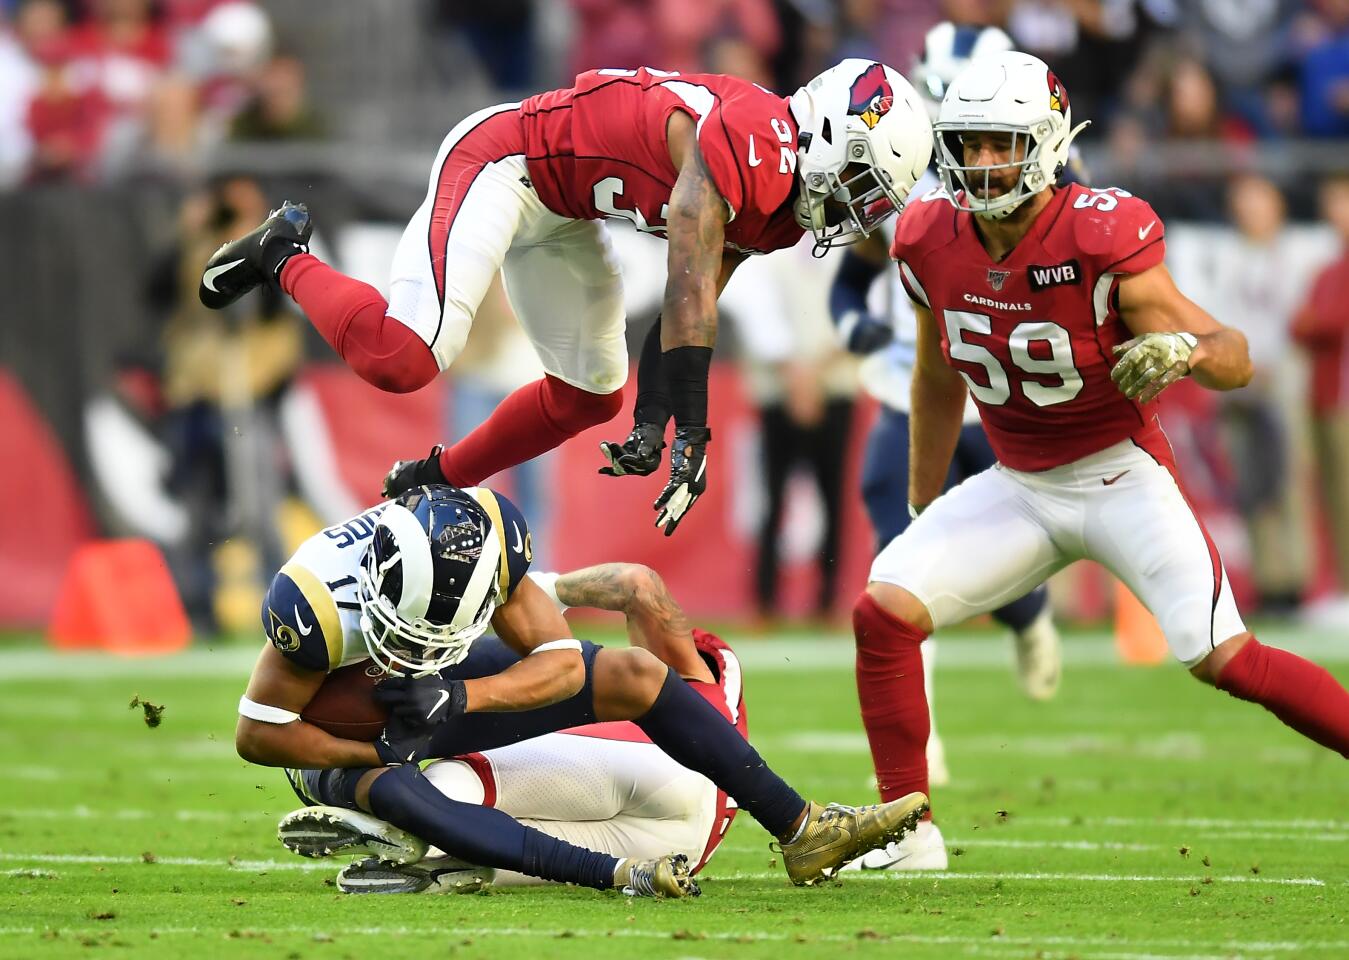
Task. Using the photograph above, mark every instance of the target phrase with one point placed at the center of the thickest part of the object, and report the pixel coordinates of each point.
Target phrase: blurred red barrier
(44, 516)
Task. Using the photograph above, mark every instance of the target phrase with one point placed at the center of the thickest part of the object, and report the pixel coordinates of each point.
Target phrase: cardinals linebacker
(719, 166)
(1051, 307)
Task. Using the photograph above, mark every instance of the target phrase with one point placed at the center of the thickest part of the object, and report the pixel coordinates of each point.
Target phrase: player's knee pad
(573, 409)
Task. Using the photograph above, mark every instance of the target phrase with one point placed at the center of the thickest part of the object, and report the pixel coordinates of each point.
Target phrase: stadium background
(135, 135)
(1135, 816)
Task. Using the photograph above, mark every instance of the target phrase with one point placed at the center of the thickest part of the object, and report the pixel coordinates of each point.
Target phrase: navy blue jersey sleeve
(517, 549)
(300, 619)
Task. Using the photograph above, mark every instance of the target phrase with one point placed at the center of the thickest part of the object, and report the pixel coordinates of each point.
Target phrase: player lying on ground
(412, 584)
(1053, 308)
(605, 786)
(720, 166)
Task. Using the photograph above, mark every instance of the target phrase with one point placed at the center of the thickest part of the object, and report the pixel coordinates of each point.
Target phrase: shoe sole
(385, 878)
(317, 833)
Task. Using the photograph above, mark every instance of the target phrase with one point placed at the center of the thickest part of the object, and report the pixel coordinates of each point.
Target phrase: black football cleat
(240, 265)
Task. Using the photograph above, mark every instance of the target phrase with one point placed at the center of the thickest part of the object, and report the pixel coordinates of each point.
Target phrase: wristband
(557, 645)
(547, 582)
(262, 713)
(686, 370)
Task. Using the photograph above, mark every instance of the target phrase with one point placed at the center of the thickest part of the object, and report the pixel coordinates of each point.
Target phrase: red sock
(894, 705)
(531, 421)
(1300, 693)
(351, 317)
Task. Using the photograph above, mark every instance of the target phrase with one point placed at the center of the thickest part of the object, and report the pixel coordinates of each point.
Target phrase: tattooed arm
(655, 621)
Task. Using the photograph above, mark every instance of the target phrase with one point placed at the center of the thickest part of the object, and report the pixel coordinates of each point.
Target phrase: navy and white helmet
(948, 48)
(430, 580)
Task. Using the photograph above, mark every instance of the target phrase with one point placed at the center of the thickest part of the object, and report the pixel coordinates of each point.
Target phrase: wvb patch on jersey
(300, 618)
(1059, 275)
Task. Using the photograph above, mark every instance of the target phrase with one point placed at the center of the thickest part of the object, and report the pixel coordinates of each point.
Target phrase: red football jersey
(1032, 334)
(598, 149)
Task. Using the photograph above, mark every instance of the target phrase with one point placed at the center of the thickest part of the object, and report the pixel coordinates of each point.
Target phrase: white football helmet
(1012, 93)
(863, 120)
(948, 49)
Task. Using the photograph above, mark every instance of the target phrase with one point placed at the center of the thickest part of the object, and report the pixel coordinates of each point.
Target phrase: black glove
(422, 702)
(406, 474)
(863, 334)
(639, 455)
(688, 476)
(402, 742)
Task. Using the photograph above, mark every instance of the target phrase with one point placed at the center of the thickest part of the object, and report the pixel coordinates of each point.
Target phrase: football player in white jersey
(413, 584)
(603, 786)
(876, 321)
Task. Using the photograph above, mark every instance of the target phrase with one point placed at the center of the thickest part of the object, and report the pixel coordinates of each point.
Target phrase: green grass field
(1139, 815)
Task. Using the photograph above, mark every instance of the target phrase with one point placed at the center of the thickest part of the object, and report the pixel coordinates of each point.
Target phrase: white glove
(1151, 363)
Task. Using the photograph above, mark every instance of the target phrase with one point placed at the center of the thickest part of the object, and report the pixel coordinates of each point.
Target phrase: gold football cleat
(836, 834)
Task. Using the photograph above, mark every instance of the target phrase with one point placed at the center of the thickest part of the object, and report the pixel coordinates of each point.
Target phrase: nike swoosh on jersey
(753, 160)
(305, 628)
(444, 695)
(1110, 481)
(1144, 231)
(519, 545)
(208, 278)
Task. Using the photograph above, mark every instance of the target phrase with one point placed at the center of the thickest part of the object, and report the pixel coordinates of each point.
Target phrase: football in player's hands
(638, 455)
(422, 702)
(1151, 363)
(406, 474)
(688, 477)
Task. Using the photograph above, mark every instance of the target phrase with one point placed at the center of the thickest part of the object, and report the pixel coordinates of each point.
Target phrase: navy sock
(1020, 614)
(482, 835)
(694, 734)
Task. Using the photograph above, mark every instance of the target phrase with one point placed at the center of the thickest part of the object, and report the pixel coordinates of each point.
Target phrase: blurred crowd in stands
(108, 91)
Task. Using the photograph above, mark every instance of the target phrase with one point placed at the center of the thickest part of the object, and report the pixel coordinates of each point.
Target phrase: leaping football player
(883, 333)
(413, 584)
(719, 166)
(604, 786)
(1052, 307)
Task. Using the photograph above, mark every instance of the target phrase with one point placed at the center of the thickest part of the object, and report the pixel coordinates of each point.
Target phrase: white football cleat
(432, 875)
(938, 774)
(1039, 657)
(923, 849)
(332, 831)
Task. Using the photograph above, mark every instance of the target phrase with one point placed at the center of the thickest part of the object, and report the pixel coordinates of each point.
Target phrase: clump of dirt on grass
(154, 712)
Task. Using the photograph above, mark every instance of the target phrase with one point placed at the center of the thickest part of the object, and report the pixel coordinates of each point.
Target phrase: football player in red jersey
(719, 166)
(1053, 308)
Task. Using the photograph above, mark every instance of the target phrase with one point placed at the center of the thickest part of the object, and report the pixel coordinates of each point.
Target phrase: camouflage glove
(1151, 363)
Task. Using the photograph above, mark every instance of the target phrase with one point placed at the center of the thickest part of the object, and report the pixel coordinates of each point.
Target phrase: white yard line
(233, 864)
(996, 944)
(897, 875)
(833, 650)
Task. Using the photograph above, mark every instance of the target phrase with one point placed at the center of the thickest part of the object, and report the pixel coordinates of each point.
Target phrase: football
(345, 705)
